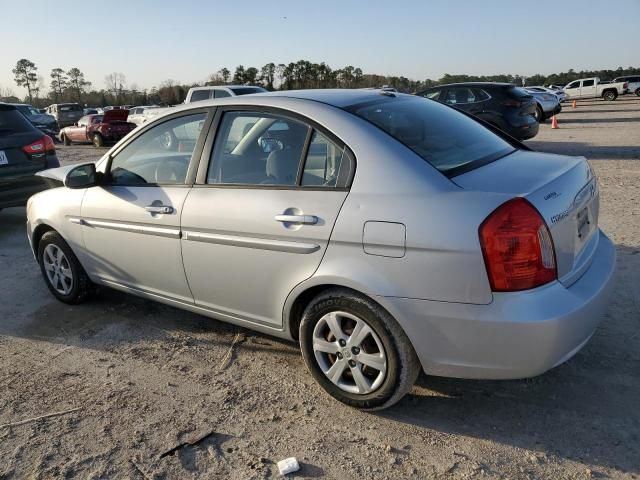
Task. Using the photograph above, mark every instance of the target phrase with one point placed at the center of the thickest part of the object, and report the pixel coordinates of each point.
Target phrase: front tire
(610, 95)
(356, 351)
(62, 272)
(638, 92)
(66, 140)
(97, 140)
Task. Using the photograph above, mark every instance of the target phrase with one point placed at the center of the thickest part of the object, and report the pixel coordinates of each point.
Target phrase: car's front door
(573, 89)
(131, 224)
(259, 218)
(588, 88)
(78, 133)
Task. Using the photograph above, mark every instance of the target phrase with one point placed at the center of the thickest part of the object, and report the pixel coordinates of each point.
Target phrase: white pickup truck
(593, 88)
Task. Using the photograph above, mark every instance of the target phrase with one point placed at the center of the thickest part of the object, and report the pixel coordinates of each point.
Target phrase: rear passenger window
(323, 162)
(198, 95)
(220, 94)
(254, 148)
(587, 83)
(456, 96)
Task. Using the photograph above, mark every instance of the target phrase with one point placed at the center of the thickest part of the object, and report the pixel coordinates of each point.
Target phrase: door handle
(300, 219)
(159, 209)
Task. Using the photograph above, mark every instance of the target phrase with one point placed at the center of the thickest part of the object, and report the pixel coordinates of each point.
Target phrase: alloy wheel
(349, 352)
(58, 269)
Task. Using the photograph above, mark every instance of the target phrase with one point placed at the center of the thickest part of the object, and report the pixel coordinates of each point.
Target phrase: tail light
(512, 102)
(517, 247)
(42, 145)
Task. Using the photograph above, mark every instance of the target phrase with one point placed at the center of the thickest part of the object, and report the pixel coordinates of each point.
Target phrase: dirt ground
(141, 378)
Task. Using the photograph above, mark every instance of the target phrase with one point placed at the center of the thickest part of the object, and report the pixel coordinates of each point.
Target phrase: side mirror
(82, 176)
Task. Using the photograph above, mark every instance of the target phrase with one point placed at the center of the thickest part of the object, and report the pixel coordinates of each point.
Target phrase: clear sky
(186, 40)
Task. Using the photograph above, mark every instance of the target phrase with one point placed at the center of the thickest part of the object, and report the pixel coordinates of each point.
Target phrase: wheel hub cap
(349, 352)
(57, 269)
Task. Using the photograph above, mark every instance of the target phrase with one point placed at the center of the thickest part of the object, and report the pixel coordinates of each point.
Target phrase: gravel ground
(136, 379)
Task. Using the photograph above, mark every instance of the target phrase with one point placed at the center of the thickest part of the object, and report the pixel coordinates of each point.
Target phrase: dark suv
(503, 105)
(24, 151)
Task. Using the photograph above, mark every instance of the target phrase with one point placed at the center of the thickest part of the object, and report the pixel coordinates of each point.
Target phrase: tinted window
(70, 108)
(160, 155)
(455, 96)
(587, 83)
(445, 138)
(246, 90)
(221, 94)
(481, 95)
(12, 121)
(323, 162)
(518, 92)
(573, 85)
(257, 149)
(433, 94)
(198, 95)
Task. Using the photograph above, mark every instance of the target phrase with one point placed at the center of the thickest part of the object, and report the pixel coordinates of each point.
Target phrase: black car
(24, 151)
(503, 105)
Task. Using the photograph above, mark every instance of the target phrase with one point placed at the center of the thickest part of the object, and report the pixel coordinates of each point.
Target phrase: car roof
(477, 84)
(337, 97)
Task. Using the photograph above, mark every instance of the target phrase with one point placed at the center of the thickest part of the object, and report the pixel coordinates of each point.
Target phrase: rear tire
(539, 115)
(610, 95)
(62, 272)
(638, 92)
(370, 370)
(97, 140)
(66, 140)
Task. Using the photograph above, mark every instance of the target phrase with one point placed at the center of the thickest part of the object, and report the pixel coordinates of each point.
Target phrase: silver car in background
(562, 96)
(548, 104)
(387, 233)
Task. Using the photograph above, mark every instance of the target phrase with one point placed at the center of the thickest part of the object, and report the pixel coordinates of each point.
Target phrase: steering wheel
(171, 170)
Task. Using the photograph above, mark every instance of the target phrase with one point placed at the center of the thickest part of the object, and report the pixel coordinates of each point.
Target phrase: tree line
(70, 85)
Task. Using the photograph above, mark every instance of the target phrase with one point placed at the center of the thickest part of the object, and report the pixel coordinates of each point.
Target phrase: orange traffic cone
(574, 104)
(554, 122)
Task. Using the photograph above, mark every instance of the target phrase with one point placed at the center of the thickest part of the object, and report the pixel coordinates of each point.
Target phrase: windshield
(444, 137)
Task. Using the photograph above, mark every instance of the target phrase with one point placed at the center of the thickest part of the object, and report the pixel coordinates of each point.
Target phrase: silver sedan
(386, 233)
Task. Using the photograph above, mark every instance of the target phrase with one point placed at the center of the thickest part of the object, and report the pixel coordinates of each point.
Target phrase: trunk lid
(114, 115)
(565, 192)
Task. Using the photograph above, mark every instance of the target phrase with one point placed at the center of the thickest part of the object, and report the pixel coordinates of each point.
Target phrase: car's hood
(42, 119)
(114, 115)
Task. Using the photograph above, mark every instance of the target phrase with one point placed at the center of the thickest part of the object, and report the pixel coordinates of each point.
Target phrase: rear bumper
(524, 132)
(518, 335)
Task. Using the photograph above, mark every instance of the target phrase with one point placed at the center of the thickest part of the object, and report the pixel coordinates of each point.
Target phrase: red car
(98, 129)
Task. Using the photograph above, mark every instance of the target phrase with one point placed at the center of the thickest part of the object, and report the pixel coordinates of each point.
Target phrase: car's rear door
(131, 223)
(259, 218)
(588, 88)
(17, 167)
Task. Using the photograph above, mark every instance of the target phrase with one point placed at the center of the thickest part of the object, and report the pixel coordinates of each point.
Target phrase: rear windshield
(246, 90)
(518, 92)
(12, 121)
(70, 108)
(447, 139)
